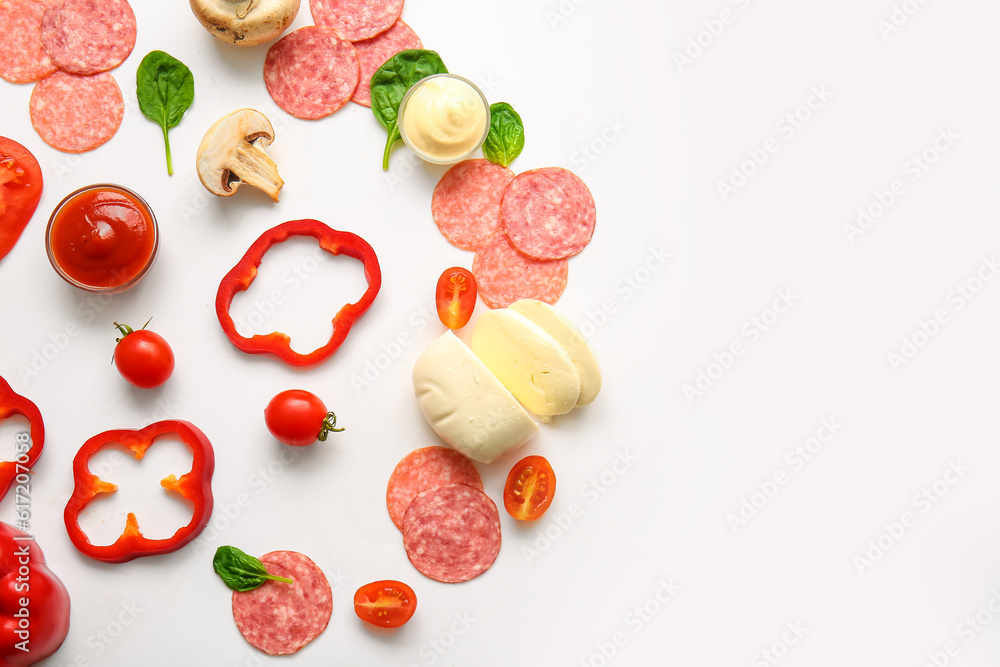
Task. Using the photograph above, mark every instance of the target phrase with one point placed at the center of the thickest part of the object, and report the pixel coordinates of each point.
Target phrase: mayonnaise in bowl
(444, 118)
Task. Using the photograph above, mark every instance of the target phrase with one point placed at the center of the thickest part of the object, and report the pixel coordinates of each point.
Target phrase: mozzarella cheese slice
(566, 334)
(466, 404)
(528, 361)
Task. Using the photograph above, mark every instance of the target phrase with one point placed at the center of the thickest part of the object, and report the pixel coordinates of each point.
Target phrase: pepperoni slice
(75, 113)
(548, 213)
(356, 19)
(466, 202)
(373, 52)
(88, 36)
(453, 543)
(22, 58)
(448, 497)
(280, 618)
(505, 275)
(311, 72)
(424, 469)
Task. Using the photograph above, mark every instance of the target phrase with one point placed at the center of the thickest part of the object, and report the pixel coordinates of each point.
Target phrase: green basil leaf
(390, 82)
(505, 140)
(241, 571)
(165, 88)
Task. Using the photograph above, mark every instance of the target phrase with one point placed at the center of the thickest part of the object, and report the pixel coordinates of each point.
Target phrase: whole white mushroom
(245, 22)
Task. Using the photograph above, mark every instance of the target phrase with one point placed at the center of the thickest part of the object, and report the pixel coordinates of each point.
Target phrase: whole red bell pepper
(28, 447)
(194, 486)
(242, 275)
(34, 604)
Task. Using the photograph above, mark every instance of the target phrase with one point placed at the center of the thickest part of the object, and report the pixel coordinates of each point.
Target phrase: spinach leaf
(241, 571)
(165, 88)
(391, 81)
(505, 140)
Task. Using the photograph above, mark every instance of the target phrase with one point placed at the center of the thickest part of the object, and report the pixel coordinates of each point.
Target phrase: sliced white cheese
(466, 404)
(560, 327)
(528, 361)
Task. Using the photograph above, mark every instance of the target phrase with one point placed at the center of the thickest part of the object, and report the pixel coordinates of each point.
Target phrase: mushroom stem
(254, 167)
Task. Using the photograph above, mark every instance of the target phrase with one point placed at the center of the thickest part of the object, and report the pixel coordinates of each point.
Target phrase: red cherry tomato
(297, 417)
(456, 297)
(530, 487)
(20, 191)
(143, 357)
(387, 604)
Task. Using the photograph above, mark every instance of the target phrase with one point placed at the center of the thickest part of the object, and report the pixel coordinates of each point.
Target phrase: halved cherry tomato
(298, 418)
(20, 191)
(387, 604)
(143, 357)
(456, 297)
(530, 486)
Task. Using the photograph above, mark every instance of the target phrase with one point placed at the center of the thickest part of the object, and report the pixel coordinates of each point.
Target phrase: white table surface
(739, 330)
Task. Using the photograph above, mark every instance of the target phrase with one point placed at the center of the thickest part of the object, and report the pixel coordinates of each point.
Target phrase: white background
(651, 479)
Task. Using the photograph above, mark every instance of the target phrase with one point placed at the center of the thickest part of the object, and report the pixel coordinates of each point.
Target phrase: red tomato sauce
(103, 237)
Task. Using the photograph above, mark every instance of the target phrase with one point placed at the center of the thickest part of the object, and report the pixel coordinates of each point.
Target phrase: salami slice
(452, 544)
(424, 469)
(466, 202)
(356, 19)
(280, 618)
(449, 497)
(311, 72)
(75, 113)
(88, 36)
(373, 52)
(505, 275)
(548, 213)
(22, 58)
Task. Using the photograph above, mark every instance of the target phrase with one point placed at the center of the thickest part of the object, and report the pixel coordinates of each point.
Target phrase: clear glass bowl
(480, 99)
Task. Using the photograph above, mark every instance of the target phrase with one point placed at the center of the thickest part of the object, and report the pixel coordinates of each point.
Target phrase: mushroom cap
(245, 22)
(222, 146)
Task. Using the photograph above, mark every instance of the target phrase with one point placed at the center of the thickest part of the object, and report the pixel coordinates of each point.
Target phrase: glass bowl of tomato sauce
(102, 238)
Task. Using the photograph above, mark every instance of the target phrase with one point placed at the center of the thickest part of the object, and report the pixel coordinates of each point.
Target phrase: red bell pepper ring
(242, 275)
(34, 604)
(26, 451)
(194, 486)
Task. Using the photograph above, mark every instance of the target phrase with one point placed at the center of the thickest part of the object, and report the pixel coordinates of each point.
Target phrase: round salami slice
(311, 72)
(448, 497)
(466, 202)
(424, 469)
(280, 618)
(22, 58)
(88, 36)
(452, 544)
(75, 113)
(373, 52)
(505, 275)
(356, 19)
(548, 213)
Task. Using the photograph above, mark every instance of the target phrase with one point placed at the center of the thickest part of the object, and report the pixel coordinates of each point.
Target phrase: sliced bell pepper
(20, 191)
(34, 604)
(242, 275)
(194, 486)
(27, 453)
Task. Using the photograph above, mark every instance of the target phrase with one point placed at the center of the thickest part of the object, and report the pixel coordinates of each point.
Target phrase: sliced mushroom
(245, 22)
(232, 153)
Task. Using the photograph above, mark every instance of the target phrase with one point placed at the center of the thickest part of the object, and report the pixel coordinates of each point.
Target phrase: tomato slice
(20, 191)
(387, 604)
(456, 297)
(530, 486)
